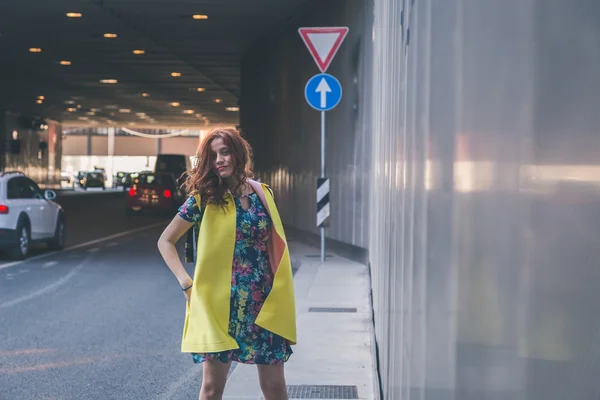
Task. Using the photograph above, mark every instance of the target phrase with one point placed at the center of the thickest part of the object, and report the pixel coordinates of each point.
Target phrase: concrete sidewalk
(334, 350)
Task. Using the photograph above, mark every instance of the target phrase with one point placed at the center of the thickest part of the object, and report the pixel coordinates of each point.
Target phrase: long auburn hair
(202, 179)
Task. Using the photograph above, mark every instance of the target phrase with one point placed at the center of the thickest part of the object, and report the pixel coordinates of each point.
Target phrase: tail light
(131, 192)
(167, 193)
(3, 209)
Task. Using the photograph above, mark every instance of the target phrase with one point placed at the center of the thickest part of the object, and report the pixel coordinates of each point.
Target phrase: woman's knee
(214, 378)
(274, 389)
(272, 382)
(212, 389)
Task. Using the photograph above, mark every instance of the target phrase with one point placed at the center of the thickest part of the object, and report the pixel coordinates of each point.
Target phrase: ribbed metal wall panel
(469, 169)
(285, 131)
(484, 231)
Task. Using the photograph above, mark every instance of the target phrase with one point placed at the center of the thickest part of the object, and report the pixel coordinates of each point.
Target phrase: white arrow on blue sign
(323, 92)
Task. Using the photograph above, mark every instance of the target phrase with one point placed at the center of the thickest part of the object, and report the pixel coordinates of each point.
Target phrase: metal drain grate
(332, 309)
(322, 392)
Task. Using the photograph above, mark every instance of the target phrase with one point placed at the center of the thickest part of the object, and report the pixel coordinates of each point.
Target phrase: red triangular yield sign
(323, 43)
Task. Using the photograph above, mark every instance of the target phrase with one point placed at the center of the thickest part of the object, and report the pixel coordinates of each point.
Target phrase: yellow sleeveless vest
(207, 315)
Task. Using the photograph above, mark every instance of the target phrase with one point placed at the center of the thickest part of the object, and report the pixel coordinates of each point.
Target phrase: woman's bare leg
(272, 382)
(214, 377)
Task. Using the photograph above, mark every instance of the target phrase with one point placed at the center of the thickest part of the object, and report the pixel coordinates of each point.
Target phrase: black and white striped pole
(323, 210)
(323, 92)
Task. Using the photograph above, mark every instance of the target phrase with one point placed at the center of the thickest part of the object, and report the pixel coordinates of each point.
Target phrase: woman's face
(222, 160)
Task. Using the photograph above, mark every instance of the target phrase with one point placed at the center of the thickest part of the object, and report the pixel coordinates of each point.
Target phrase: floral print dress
(251, 282)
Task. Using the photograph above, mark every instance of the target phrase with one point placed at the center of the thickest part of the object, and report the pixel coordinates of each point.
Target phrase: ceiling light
(233, 109)
(145, 95)
(201, 89)
(71, 109)
(90, 113)
(138, 52)
(198, 115)
(200, 16)
(125, 110)
(41, 98)
(109, 81)
(218, 100)
(39, 101)
(94, 110)
(175, 74)
(110, 35)
(188, 111)
(65, 62)
(74, 15)
(69, 102)
(35, 50)
(175, 104)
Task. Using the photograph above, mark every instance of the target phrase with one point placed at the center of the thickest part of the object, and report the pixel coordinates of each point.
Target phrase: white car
(28, 215)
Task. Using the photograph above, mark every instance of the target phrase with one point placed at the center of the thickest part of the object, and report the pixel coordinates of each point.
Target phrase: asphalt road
(101, 320)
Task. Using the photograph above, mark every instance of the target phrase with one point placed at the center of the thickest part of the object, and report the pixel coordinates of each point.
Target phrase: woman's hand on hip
(187, 289)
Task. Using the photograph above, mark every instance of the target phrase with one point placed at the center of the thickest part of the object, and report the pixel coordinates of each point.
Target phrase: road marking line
(49, 264)
(79, 246)
(14, 353)
(48, 288)
(174, 388)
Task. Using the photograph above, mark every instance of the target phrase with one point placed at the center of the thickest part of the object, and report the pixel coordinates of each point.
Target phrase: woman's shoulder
(193, 199)
(191, 209)
(266, 187)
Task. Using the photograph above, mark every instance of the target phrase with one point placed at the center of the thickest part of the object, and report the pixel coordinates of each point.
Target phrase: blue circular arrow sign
(323, 92)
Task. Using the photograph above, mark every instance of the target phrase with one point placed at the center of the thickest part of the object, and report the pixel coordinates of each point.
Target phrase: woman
(240, 304)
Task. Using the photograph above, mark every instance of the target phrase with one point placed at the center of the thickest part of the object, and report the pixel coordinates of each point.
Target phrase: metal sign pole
(323, 92)
(323, 176)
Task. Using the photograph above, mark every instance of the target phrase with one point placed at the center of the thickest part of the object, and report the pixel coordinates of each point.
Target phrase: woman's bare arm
(166, 245)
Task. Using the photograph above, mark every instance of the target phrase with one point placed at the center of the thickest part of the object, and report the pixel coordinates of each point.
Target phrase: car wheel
(21, 249)
(60, 234)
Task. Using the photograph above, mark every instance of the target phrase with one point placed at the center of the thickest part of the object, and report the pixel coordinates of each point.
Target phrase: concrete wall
(77, 145)
(43, 166)
(285, 131)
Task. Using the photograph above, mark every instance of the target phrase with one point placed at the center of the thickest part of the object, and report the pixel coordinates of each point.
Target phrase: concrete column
(3, 140)
(111, 153)
(89, 144)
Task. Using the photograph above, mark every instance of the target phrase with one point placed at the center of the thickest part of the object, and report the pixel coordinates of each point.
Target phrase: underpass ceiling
(206, 52)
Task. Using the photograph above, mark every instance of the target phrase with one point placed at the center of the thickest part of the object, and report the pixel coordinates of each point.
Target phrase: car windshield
(155, 180)
(93, 175)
